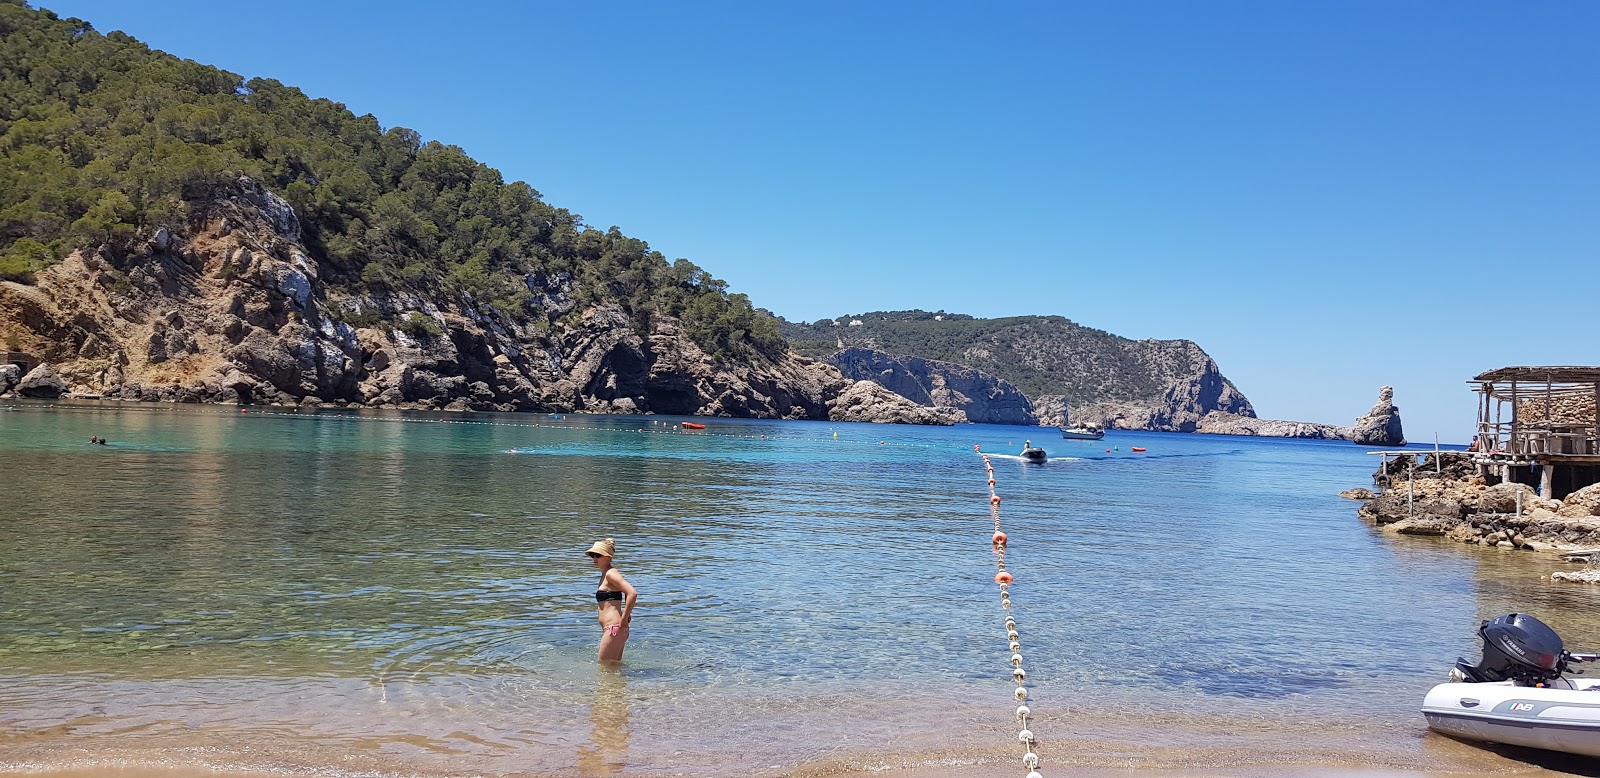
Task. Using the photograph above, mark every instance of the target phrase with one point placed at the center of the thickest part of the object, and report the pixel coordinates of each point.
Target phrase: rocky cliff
(1190, 387)
(235, 310)
(1065, 368)
(979, 398)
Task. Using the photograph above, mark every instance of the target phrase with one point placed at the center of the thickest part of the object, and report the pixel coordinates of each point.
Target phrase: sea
(330, 592)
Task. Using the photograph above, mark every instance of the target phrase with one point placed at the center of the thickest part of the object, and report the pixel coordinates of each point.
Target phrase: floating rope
(1030, 759)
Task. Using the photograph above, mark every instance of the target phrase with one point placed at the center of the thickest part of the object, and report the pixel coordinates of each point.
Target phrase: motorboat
(1521, 693)
(1082, 432)
(1031, 453)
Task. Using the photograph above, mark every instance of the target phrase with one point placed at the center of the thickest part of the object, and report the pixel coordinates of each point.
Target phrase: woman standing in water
(616, 598)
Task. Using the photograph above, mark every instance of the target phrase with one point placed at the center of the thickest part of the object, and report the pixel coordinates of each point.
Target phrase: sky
(1327, 197)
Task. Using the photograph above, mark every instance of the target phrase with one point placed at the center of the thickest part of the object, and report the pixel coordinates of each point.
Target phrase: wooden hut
(1540, 426)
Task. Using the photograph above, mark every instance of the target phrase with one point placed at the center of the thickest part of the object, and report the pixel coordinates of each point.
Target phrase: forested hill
(1098, 374)
(103, 141)
(172, 231)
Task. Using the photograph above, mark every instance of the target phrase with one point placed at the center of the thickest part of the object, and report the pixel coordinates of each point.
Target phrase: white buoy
(1035, 774)
(1015, 646)
(1025, 736)
(1021, 693)
(1022, 711)
(1019, 674)
(1030, 760)
(1016, 660)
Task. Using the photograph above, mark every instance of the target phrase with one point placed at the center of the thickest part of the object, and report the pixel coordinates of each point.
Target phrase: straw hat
(607, 547)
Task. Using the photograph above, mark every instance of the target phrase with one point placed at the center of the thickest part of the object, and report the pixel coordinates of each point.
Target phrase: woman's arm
(620, 584)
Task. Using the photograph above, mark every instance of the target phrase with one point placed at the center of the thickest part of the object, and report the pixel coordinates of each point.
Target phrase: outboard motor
(1518, 648)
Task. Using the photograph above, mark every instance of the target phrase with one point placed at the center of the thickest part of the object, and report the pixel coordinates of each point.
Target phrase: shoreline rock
(1462, 505)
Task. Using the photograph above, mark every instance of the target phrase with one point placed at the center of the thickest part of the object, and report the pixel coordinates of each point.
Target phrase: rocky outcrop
(1231, 424)
(1381, 425)
(1193, 388)
(981, 398)
(868, 401)
(1449, 498)
(1103, 379)
(42, 382)
(9, 376)
(234, 309)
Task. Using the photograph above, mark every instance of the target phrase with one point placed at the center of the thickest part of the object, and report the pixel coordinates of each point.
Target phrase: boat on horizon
(1520, 693)
(1082, 432)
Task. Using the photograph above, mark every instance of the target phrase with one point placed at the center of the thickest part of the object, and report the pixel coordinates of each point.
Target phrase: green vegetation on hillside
(1037, 354)
(102, 140)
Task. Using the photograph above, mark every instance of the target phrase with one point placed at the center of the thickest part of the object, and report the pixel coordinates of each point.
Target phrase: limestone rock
(1421, 525)
(9, 376)
(867, 401)
(42, 382)
(983, 399)
(1381, 425)
(1582, 503)
(1357, 493)
(1218, 423)
(1502, 498)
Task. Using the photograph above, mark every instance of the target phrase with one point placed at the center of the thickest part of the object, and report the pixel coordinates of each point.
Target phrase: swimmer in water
(616, 598)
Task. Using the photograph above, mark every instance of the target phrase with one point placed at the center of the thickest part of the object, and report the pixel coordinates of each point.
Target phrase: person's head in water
(602, 551)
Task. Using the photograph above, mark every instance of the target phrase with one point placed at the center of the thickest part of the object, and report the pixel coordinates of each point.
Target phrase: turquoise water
(408, 592)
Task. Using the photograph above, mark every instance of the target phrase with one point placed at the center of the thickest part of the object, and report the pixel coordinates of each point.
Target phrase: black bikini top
(601, 595)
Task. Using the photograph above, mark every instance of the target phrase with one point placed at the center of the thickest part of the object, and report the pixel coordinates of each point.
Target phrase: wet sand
(1152, 750)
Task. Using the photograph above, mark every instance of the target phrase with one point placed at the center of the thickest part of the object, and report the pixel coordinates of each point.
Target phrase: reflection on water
(404, 593)
(607, 749)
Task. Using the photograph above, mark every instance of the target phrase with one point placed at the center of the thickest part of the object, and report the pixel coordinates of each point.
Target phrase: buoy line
(1030, 758)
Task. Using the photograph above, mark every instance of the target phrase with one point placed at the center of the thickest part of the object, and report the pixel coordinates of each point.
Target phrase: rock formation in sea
(868, 401)
(1381, 425)
(981, 398)
(1217, 423)
(236, 310)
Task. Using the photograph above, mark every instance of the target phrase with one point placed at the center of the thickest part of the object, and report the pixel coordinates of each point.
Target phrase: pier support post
(1547, 479)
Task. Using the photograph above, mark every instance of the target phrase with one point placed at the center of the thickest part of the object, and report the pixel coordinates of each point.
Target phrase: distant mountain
(1092, 374)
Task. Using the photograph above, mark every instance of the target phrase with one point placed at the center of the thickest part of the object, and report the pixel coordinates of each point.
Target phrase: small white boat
(1520, 694)
(1082, 432)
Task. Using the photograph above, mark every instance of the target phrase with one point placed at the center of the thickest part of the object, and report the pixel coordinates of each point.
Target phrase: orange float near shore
(689, 425)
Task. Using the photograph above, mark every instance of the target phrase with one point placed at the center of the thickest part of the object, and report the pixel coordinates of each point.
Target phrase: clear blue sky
(1327, 197)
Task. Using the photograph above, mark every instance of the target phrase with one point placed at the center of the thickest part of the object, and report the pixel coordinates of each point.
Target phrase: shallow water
(407, 592)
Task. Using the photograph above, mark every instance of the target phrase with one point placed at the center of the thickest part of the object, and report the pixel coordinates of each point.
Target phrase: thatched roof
(1554, 375)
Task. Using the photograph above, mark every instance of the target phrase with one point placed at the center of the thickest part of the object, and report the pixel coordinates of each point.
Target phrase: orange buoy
(974, 447)
(1140, 450)
(991, 482)
(1003, 577)
(999, 538)
(995, 500)
(689, 425)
